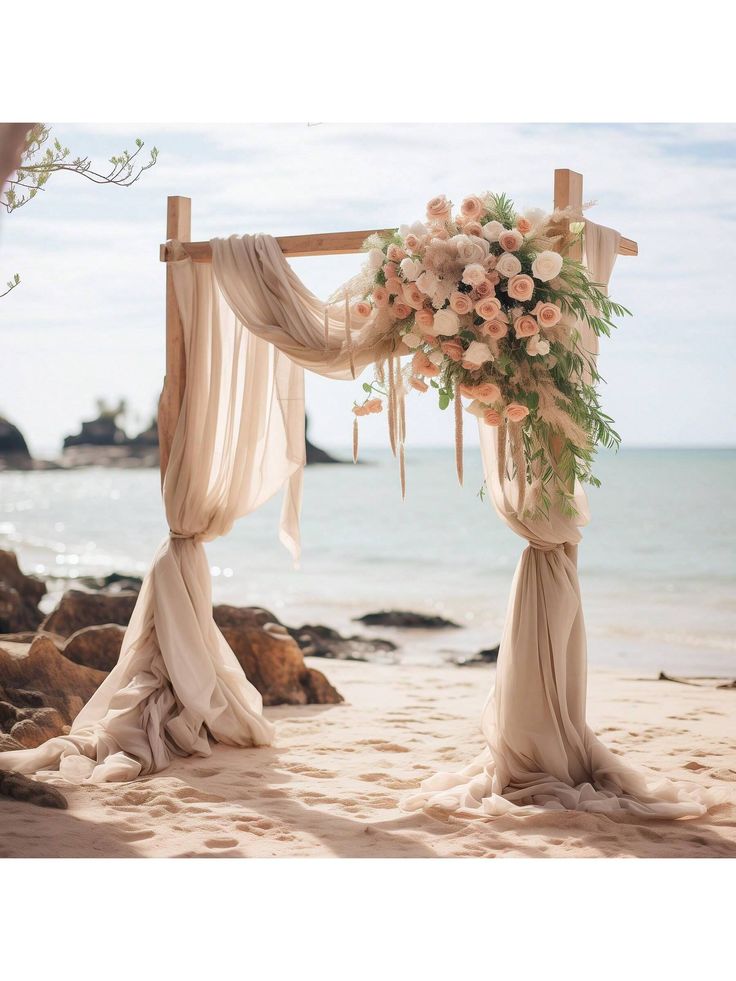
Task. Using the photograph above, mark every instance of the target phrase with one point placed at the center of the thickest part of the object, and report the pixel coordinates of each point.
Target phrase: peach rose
(510, 240)
(473, 228)
(411, 340)
(520, 287)
(485, 392)
(488, 308)
(547, 265)
(453, 350)
(395, 253)
(472, 208)
(492, 418)
(461, 302)
(424, 319)
(439, 209)
(483, 290)
(548, 314)
(418, 385)
(439, 232)
(400, 310)
(495, 329)
(493, 278)
(516, 412)
(421, 365)
(390, 269)
(524, 225)
(411, 241)
(526, 326)
(380, 296)
(412, 296)
(394, 285)
(508, 265)
(362, 309)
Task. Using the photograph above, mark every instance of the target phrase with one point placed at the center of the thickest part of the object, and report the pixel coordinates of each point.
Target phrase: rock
(148, 437)
(38, 726)
(40, 676)
(14, 452)
(316, 640)
(20, 787)
(273, 662)
(243, 616)
(116, 582)
(7, 743)
(487, 656)
(405, 618)
(95, 647)
(103, 431)
(313, 453)
(19, 596)
(77, 609)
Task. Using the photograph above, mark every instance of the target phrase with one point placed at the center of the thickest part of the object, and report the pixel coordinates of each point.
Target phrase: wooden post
(178, 226)
(569, 191)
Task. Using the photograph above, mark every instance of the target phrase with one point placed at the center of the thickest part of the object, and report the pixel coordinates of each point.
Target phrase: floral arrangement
(489, 304)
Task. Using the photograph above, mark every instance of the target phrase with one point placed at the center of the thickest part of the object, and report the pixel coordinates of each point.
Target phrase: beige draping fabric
(540, 750)
(249, 328)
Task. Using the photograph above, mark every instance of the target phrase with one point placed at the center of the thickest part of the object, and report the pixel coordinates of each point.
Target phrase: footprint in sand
(221, 843)
(724, 774)
(384, 746)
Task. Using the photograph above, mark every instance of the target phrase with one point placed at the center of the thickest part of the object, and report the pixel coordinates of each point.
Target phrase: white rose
(470, 248)
(412, 340)
(491, 230)
(537, 346)
(546, 266)
(436, 357)
(427, 282)
(411, 268)
(474, 274)
(376, 259)
(477, 354)
(446, 322)
(508, 265)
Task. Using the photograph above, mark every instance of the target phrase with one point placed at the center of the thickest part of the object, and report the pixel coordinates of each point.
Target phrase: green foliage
(45, 156)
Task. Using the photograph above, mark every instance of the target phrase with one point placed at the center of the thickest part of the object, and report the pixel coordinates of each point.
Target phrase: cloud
(89, 313)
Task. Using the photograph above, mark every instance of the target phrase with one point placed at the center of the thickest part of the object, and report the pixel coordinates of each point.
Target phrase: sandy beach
(332, 784)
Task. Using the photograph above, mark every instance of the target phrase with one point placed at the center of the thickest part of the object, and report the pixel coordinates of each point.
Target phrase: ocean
(657, 561)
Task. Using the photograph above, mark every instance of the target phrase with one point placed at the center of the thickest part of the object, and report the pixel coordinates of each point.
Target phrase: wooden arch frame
(568, 191)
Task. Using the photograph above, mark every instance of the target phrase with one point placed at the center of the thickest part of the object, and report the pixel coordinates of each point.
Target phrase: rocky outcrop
(14, 452)
(38, 677)
(95, 647)
(103, 431)
(405, 618)
(77, 609)
(19, 596)
(487, 656)
(314, 453)
(101, 442)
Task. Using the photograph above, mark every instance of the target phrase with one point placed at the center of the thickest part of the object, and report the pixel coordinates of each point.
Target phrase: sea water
(657, 561)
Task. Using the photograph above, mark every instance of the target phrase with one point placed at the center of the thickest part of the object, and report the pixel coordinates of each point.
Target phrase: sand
(332, 784)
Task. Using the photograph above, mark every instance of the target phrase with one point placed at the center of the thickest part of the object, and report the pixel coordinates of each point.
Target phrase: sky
(87, 320)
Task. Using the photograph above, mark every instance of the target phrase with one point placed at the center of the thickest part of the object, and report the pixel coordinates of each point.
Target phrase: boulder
(405, 618)
(273, 662)
(19, 596)
(116, 582)
(40, 677)
(95, 647)
(37, 726)
(7, 743)
(20, 787)
(77, 609)
(487, 656)
(316, 640)
(243, 616)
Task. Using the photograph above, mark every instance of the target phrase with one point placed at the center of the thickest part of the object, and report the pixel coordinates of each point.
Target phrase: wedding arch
(240, 329)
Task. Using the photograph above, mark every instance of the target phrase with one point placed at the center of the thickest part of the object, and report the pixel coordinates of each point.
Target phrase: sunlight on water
(658, 562)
